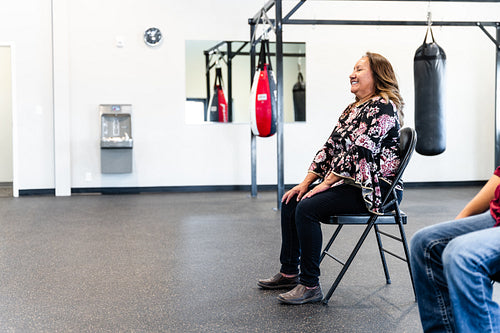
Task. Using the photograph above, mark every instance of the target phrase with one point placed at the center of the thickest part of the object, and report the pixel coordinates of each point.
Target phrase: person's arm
(481, 202)
(325, 185)
(300, 189)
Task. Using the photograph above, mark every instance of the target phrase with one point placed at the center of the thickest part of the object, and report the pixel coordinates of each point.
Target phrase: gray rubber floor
(188, 262)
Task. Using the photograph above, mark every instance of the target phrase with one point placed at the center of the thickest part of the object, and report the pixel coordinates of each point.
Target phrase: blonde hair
(386, 83)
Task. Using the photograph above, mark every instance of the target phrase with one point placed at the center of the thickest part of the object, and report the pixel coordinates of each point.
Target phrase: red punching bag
(217, 107)
(263, 96)
(223, 114)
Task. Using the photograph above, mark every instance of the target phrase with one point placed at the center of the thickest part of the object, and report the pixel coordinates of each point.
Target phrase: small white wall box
(116, 138)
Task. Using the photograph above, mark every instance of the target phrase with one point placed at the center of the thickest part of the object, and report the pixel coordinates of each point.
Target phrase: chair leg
(330, 242)
(371, 222)
(405, 246)
(382, 256)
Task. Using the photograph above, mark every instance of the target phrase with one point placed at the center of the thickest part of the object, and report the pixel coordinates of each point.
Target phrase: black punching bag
(299, 99)
(429, 74)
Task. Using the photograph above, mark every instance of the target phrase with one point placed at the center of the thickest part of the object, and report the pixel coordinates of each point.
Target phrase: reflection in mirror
(231, 59)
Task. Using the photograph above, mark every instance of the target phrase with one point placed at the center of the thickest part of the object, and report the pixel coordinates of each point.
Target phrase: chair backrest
(407, 143)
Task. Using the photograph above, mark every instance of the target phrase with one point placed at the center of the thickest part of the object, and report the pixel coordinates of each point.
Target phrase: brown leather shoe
(278, 282)
(301, 295)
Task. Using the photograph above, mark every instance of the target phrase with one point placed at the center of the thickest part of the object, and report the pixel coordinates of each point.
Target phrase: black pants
(301, 236)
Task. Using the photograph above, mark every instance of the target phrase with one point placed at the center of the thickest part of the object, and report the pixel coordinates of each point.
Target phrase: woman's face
(362, 83)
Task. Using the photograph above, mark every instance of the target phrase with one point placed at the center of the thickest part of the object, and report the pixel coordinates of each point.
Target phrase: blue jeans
(452, 264)
(301, 237)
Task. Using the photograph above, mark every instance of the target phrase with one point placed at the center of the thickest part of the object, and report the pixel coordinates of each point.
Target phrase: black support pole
(229, 82)
(386, 23)
(279, 104)
(207, 74)
(253, 138)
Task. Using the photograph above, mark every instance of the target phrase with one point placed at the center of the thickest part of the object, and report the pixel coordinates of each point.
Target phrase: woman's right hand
(298, 190)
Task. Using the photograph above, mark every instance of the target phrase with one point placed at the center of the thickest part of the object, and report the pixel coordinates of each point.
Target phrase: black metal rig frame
(280, 20)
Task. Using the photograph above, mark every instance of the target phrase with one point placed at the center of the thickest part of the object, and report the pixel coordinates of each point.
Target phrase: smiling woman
(356, 167)
(362, 84)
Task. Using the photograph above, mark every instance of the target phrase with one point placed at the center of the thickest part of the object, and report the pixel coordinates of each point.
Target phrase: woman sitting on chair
(356, 165)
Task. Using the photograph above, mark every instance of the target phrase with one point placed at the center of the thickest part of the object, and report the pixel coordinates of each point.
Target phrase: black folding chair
(408, 140)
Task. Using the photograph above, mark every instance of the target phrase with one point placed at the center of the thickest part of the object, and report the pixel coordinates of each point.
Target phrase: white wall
(167, 152)
(26, 25)
(5, 115)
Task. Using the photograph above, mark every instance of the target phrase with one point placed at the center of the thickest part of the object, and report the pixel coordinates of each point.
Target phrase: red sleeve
(495, 203)
(497, 172)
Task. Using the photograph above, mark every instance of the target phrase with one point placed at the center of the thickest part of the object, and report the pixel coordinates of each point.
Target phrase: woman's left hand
(321, 187)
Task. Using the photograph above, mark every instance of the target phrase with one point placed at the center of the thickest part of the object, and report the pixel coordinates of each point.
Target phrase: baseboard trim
(165, 189)
(217, 188)
(41, 191)
(445, 184)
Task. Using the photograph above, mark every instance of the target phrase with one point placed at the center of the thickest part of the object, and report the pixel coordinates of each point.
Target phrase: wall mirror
(231, 59)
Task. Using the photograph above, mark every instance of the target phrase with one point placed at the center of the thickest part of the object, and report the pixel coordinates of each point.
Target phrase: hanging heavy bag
(429, 75)
(213, 109)
(223, 111)
(299, 99)
(217, 107)
(263, 96)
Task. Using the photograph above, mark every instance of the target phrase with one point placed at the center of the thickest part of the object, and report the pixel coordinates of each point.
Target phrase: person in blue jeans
(454, 264)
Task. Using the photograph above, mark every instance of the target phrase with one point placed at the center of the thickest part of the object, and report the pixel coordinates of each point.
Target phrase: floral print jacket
(363, 149)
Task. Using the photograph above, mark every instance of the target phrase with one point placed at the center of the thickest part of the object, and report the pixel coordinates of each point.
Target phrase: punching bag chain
(429, 26)
(270, 26)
